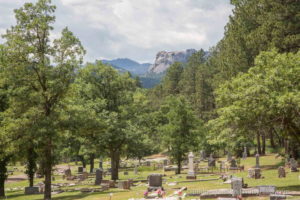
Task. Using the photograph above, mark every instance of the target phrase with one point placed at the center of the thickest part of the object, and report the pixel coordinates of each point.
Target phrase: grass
(268, 163)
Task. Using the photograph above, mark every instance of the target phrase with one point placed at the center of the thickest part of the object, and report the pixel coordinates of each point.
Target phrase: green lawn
(269, 171)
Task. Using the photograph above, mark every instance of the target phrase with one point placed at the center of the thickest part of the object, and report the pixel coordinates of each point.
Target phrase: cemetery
(149, 180)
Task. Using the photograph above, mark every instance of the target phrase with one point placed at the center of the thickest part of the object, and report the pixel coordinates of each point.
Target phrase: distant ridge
(127, 64)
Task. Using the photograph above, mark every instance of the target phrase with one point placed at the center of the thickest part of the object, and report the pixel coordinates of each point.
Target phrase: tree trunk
(92, 157)
(263, 138)
(272, 142)
(286, 146)
(82, 161)
(31, 165)
(3, 175)
(114, 157)
(258, 143)
(178, 166)
(48, 170)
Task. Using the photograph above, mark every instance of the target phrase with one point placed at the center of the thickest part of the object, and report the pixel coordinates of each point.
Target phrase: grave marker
(257, 161)
(294, 165)
(236, 186)
(155, 181)
(281, 172)
(191, 172)
(99, 177)
(32, 190)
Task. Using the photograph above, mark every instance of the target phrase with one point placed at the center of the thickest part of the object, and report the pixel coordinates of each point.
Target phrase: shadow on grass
(289, 188)
(66, 197)
(273, 166)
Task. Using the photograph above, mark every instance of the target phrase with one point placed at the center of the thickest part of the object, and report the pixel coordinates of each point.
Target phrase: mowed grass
(268, 163)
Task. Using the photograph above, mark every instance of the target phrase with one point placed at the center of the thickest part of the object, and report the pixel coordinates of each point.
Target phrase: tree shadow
(267, 167)
(290, 188)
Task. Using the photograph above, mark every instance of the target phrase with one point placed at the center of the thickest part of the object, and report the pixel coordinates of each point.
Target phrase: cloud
(138, 29)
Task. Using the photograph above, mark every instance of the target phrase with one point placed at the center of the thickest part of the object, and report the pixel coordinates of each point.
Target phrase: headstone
(233, 163)
(81, 177)
(68, 172)
(257, 161)
(266, 189)
(99, 174)
(135, 170)
(229, 157)
(148, 163)
(80, 169)
(245, 153)
(191, 172)
(125, 185)
(202, 155)
(111, 184)
(155, 181)
(126, 173)
(254, 173)
(294, 165)
(236, 186)
(211, 161)
(32, 190)
(130, 182)
(165, 162)
(101, 163)
(85, 175)
(281, 172)
(277, 197)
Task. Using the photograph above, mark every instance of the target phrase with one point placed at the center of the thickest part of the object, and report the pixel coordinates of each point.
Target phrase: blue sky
(135, 29)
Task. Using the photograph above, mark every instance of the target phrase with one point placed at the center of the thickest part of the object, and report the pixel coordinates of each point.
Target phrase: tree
(172, 78)
(256, 26)
(6, 138)
(108, 94)
(142, 133)
(181, 131)
(265, 98)
(40, 73)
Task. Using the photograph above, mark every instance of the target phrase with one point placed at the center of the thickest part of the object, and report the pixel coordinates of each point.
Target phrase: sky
(135, 29)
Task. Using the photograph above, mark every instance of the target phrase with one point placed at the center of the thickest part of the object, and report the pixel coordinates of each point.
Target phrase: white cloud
(139, 28)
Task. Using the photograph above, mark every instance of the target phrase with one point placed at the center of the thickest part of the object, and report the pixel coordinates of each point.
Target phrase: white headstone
(191, 172)
(237, 185)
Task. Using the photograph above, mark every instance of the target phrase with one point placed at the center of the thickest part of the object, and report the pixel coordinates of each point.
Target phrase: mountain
(125, 64)
(165, 59)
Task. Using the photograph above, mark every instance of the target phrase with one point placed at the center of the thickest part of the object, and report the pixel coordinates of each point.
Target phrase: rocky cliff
(164, 59)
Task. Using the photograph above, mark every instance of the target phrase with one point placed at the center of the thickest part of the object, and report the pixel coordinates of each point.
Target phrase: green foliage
(181, 131)
(256, 26)
(267, 97)
(39, 74)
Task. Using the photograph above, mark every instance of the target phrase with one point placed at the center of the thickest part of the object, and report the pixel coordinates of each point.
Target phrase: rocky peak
(164, 59)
